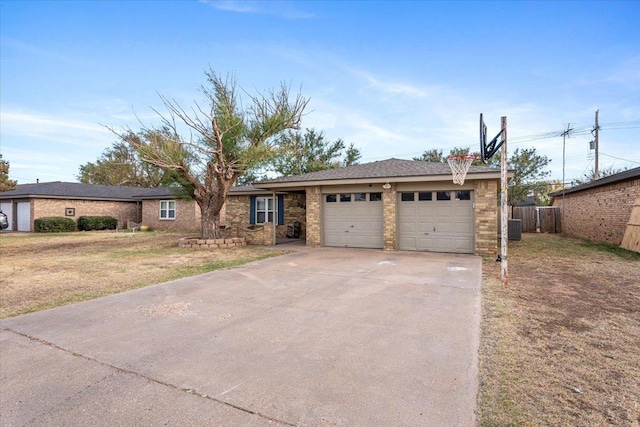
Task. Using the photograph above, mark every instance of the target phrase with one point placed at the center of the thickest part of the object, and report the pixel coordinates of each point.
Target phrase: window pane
(443, 195)
(270, 216)
(463, 195)
(407, 197)
(375, 197)
(163, 205)
(171, 214)
(261, 203)
(163, 213)
(331, 198)
(345, 197)
(270, 200)
(360, 197)
(260, 217)
(425, 196)
(172, 204)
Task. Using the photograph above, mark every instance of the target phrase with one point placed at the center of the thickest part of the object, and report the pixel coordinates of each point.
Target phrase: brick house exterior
(235, 217)
(599, 210)
(382, 205)
(390, 179)
(28, 202)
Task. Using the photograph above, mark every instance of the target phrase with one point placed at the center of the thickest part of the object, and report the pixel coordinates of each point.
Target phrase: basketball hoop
(460, 165)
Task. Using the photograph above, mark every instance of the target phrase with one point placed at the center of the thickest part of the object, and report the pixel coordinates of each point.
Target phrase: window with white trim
(264, 210)
(167, 209)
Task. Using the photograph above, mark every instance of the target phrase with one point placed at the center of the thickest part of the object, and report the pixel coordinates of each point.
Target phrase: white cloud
(393, 87)
(282, 9)
(63, 130)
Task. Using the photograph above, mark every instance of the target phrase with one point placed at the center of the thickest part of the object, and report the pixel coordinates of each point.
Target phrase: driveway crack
(151, 379)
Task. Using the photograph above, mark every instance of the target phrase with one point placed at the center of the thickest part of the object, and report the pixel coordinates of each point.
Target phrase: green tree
(588, 177)
(300, 153)
(6, 184)
(121, 164)
(434, 155)
(529, 170)
(529, 176)
(225, 140)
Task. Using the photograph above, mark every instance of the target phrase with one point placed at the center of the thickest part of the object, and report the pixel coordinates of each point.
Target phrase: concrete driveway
(320, 337)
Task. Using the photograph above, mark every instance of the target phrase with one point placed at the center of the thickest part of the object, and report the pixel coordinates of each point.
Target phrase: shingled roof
(384, 169)
(75, 190)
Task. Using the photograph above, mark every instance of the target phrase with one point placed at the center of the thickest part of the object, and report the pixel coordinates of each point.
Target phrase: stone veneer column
(486, 218)
(389, 204)
(313, 216)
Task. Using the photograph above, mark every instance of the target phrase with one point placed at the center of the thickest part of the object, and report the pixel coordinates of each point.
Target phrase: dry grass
(39, 271)
(561, 345)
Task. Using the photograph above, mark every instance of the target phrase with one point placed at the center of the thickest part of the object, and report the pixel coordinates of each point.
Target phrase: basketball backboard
(488, 149)
(483, 138)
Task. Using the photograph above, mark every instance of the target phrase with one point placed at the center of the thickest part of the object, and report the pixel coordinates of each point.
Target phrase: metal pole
(596, 173)
(503, 204)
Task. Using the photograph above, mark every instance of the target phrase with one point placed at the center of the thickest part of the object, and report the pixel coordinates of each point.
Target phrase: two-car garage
(398, 204)
(438, 221)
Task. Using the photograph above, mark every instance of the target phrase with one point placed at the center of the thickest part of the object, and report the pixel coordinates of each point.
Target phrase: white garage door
(353, 220)
(6, 208)
(438, 221)
(24, 216)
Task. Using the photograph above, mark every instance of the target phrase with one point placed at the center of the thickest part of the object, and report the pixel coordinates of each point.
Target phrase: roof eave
(68, 197)
(377, 180)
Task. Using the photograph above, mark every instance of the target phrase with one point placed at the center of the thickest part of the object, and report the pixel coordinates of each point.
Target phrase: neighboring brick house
(68, 199)
(397, 204)
(599, 210)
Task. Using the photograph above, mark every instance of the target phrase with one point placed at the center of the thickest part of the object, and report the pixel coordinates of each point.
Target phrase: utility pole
(564, 135)
(596, 172)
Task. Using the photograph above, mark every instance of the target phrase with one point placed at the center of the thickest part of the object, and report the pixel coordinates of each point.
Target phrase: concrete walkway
(320, 337)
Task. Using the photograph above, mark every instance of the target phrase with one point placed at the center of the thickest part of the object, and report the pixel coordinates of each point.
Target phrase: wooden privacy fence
(534, 218)
(631, 239)
(528, 216)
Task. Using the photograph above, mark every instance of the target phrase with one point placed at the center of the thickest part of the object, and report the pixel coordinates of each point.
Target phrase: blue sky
(394, 78)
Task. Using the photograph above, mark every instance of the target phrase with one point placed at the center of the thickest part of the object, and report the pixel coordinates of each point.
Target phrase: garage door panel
(353, 223)
(444, 227)
(7, 208)
(436, 225)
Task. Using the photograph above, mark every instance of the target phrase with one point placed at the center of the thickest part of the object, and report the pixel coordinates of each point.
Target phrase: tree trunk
(210, 224)
(211, 202)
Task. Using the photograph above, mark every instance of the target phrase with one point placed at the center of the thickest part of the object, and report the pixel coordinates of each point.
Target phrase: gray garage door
(24, 216)
(438, 221)
(353, 220)
(7, 208)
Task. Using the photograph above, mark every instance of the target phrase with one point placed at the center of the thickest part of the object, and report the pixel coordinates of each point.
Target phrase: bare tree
(225, 140)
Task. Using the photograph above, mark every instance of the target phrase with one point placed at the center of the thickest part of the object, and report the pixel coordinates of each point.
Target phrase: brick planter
(197, 243)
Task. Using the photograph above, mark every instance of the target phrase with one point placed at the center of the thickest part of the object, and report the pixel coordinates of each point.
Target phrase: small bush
(88, 223)
(54, 224)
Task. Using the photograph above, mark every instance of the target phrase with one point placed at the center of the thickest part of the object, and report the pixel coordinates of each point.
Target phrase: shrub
(88, 223)
(54, 224)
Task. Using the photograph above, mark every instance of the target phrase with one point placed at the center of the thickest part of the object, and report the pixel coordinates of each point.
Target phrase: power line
(619, 158)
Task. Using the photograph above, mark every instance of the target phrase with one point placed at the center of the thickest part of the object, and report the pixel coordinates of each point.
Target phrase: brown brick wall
(486, 218)
(389, 212)
(237, 218)
(294, 210)
(314, 237)
(187, 216)
(599, 214)
(122, 211)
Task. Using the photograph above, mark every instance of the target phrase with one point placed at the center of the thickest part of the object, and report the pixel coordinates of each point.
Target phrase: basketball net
(459, 166)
